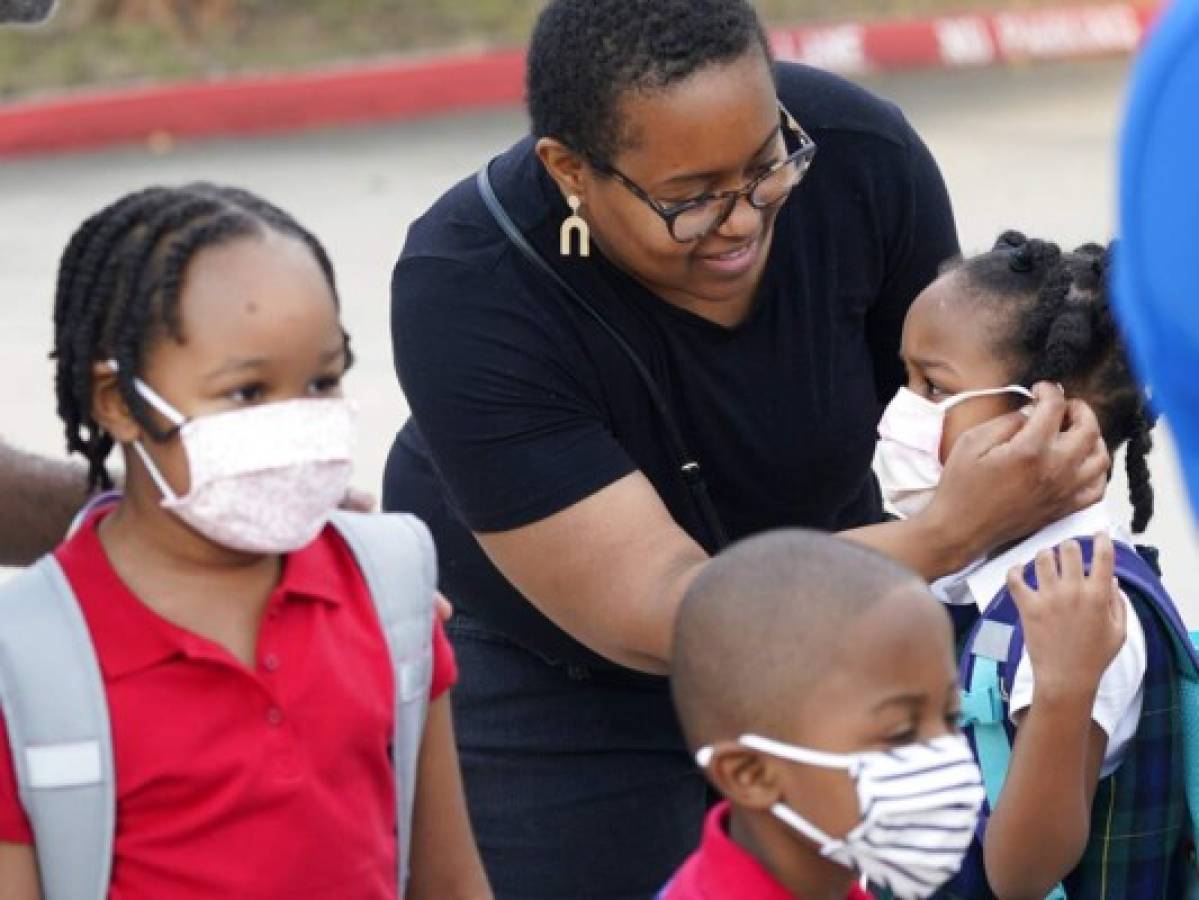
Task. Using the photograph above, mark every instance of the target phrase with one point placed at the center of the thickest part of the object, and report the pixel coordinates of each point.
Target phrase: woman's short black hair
(586, 55)
(119, 287)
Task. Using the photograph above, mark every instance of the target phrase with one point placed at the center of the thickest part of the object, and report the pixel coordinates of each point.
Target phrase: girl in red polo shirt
(248, 682)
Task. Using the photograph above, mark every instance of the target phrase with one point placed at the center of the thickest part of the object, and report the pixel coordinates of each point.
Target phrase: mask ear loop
(828, 845)
(152, 397)
(168, 495)
(953, 401)
(172, 415)
(850, 764)
(800, 754)
(703, 756)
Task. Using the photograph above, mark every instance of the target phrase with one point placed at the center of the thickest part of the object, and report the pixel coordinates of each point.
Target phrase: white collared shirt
(1121, 692)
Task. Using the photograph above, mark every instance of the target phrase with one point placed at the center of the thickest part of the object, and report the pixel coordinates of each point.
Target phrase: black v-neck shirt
(522, 405)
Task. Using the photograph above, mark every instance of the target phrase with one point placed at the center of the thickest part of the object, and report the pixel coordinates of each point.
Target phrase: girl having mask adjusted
(1090, 803)
(248, 682)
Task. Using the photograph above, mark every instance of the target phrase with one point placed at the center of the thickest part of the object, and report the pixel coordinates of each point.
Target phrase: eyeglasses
(695, 219)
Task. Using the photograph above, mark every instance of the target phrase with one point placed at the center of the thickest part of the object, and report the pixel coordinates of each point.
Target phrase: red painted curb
(406, 90)
(259, 105)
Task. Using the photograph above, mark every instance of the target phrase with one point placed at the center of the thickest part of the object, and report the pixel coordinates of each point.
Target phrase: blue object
(1157, 260)
(984, 713)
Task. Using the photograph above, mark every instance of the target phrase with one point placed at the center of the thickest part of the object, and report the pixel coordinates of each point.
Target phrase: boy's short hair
(763, 621)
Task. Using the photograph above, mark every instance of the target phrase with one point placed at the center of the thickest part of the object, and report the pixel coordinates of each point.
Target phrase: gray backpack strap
(54, 707)
(396, 555)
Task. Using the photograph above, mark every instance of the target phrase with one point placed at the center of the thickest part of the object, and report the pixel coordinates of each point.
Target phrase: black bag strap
(688, 467)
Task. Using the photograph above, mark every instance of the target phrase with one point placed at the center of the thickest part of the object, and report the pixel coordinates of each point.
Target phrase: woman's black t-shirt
(522, 405)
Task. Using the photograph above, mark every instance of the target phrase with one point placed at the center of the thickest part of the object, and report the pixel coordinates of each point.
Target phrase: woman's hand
(1012, 476)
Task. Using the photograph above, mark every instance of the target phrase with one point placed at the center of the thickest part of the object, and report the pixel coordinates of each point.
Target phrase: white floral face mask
(263, 479)
(907, 458)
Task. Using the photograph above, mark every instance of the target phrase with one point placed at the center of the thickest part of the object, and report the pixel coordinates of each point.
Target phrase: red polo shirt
(236, 782)
(722, 870)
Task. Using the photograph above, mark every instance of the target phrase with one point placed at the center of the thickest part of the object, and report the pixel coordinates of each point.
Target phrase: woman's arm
(40, 498)
(612, 569)
(445, 860)
(18, 873)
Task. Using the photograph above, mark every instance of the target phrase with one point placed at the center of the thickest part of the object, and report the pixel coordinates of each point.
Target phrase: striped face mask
(919, 806)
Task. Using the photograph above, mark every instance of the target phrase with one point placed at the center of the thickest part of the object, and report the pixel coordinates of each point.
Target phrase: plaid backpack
(1144, 814)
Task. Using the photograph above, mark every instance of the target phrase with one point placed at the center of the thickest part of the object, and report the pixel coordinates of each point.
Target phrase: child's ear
(746, 777)
(109, 408)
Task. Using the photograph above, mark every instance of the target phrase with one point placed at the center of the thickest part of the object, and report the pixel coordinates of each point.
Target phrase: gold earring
(575, 224)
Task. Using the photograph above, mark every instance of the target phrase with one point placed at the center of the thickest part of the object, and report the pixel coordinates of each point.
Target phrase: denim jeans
(578, 781)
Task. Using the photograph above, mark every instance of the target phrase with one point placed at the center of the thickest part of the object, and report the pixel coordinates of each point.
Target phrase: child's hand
(1074, 624)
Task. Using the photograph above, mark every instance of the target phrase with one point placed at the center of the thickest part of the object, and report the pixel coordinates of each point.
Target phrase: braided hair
(119, 285)
(587, 55)
(1063, 330)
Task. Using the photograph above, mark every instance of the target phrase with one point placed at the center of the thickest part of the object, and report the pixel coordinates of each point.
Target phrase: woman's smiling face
(716, 130)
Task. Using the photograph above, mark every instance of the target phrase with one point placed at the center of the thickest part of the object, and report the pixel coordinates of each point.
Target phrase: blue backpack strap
(988, 669)
(996, 641)
(964, 617)
(984, 707)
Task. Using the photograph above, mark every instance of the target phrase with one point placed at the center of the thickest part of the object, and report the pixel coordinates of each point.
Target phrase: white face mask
(918, 808)
(907, 458)
(263, 479)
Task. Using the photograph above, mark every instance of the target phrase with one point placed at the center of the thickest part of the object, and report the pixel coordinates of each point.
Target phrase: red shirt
(722, 870)
(236, 782)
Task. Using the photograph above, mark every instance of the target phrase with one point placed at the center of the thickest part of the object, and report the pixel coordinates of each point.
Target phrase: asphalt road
(1030, 148)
